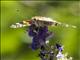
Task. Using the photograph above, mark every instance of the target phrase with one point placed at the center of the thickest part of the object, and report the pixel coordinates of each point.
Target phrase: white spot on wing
(17, 23)
(47, 41)
(13, 26)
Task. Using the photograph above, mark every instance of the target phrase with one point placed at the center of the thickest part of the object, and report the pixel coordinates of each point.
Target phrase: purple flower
(59, 47)
(39, 35)
(60, 55)
(31, 31)
(43, 53)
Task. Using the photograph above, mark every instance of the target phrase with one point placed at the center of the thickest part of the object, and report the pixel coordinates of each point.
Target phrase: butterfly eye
(56, 24)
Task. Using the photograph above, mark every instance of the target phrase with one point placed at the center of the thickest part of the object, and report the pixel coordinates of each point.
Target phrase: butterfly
(40, 21)
(38, 29)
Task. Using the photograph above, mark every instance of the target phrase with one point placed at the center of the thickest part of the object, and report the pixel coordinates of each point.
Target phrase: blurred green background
(15, 42)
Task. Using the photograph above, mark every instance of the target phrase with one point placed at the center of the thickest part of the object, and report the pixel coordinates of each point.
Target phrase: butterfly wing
(21, 24)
